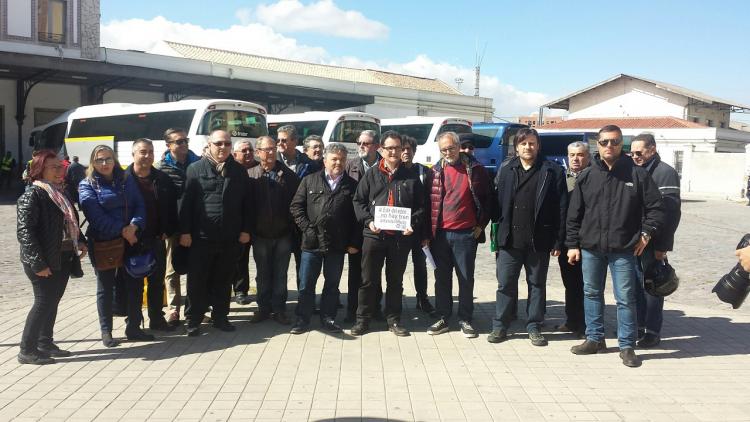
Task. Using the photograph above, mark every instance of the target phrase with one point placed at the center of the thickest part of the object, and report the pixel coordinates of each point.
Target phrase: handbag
(109, 254)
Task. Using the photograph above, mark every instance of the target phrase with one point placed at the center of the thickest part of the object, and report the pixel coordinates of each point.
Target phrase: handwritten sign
(392, 218)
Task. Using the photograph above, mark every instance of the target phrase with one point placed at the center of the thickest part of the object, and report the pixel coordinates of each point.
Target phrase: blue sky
(535, 50)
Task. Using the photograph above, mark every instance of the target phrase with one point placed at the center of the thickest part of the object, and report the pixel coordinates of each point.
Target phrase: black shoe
(350, 318)
(224, 326)
(53, 351)
(330, 325)
(439, 327)
(174, 319)
(589, 347)
(281, 318)
(424, 305)
(629, 358)
(398, 329)
(359, 328)
(108, 341)
(242, 299)
(193, 331)
(467, 330)
(34, 359)
(140, 336)
(299, 327)
(648, 340)
(160, 325)
(497, 335)
(537, 339)
(259, 317)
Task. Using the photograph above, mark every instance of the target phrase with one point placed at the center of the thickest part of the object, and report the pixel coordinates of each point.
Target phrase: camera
(734, 285)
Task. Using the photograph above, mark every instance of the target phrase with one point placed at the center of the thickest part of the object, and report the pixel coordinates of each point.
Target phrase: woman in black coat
(50, 243)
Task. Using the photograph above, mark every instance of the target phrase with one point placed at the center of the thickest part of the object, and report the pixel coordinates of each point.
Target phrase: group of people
(203, 214)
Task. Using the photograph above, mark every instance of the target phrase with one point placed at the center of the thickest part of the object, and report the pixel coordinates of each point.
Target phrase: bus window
(418, 132)
(239, 123)
(52, 137)
(348, 131)
(130, 127)
(304, 129)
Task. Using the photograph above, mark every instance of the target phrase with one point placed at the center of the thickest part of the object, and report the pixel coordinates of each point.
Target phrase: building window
(51, 20)
(678, 157)
(709, 123)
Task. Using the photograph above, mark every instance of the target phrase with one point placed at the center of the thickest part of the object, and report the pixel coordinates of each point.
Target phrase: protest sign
(392, 218)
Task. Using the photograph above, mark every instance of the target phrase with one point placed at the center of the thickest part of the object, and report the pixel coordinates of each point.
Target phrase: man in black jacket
(273, 186)
(650, 308)
(215, 221)
(160, 198)
(323, 211)
(533, 200)
(73, 176)
(614, 211)
(388, 185)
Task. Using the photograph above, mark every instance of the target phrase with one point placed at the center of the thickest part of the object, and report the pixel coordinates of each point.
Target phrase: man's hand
(373, 228)
(476, 232)
(555, 252)
(351, 250)
(408, 231)
(83, 249)
(244, 238)
(186, 240)
(660, 255)
(641, 245)
(574, 255)
(128, 233)
(44, 273)
(744, 257)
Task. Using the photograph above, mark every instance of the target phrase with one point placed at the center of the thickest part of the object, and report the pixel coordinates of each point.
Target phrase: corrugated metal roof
(666, 122)
(370, 76)
(563, 101)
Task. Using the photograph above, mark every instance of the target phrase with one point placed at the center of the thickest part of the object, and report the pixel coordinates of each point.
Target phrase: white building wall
(19, 18)
(627, 97)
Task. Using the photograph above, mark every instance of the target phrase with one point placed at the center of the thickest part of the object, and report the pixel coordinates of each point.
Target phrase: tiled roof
(369, 76)
(625, 123)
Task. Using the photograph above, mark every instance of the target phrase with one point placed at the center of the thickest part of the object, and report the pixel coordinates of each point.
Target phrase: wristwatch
(647, 236)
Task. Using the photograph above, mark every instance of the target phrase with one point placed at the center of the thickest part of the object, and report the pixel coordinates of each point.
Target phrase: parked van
(494, 142)
(331, 126)
(425, 130)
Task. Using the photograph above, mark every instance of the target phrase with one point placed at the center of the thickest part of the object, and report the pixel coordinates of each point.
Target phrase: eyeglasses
(637, 153)
(246, 151)
(284, 140)
(182, 141)
(614, 142)
(222, 144)
(365, 144)
(392, 149)
(104, 161)
(266, 150)
(449, 149)
(469, 147)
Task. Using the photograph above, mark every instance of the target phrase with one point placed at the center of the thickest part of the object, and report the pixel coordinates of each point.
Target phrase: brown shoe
(589, 347)
(629, 358)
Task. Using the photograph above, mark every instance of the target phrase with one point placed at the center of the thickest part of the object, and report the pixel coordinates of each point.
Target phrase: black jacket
(668, 182)
(39, 230)
(325, 217)
(177, 171)
(73, 176)
(216, 208)
(356, 170)
(166, 199)
(273, 218)
(549, 212)
(373, 189)
(609, 209)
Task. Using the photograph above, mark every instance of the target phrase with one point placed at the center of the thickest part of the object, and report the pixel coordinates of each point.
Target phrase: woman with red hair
(50, 242)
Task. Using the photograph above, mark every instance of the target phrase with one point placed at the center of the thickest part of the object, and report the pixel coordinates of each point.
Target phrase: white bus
(425, 130)
(51, 135)
(332, 126)
(119, 124)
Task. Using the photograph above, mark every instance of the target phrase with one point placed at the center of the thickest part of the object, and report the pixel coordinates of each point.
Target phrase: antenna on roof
(478, 65)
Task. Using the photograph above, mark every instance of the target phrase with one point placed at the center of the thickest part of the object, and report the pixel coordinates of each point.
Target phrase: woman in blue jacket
(114, 208)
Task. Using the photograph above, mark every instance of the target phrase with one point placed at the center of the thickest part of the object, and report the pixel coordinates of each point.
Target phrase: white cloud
(322, 17)
(252, 38)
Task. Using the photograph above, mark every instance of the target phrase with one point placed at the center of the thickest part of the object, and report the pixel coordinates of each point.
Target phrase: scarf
(69, 213)
(217, 165)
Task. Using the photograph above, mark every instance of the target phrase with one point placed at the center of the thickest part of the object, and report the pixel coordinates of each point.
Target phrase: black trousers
(572, 278)
(419, 262)
(242, 276)
(155, 295)
(393, 251)
(40, 322)
(209, 280)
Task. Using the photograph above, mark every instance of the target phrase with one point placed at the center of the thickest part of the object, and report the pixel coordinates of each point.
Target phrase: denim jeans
(105, 286)
(622, 269)
(509, 264)
(311, 263)
(650, 308)
(454, 249)
(272, 263)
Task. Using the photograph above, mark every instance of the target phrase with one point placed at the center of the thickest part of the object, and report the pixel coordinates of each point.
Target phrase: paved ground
(701, 371)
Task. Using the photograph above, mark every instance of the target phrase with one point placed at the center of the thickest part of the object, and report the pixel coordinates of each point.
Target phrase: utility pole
(477, 68)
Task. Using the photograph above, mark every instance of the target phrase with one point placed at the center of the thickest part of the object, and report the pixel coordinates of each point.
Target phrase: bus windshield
(304, 129)
(239, 123)
(348, 131)
(455, 128)
(418, 132)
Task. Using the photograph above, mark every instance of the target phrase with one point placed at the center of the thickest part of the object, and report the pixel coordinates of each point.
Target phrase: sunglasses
(637, 153)
(365, 144)
(104, 161)
(614, 142)
(182, 141)
(469, 147)
(222, 144)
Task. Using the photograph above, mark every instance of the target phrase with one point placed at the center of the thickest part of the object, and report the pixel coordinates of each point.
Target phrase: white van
(425, 130)
(331, 126)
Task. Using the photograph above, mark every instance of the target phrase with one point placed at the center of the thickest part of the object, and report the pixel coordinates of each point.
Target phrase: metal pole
(20, 117)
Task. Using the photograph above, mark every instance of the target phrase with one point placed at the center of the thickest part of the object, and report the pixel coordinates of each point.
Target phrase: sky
(531, 52)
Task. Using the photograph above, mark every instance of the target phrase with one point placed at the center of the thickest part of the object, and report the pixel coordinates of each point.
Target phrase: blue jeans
(509, 264)
(650, 308)
(454, 249)
(622, 269)
(311, 263)
(272, 263)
